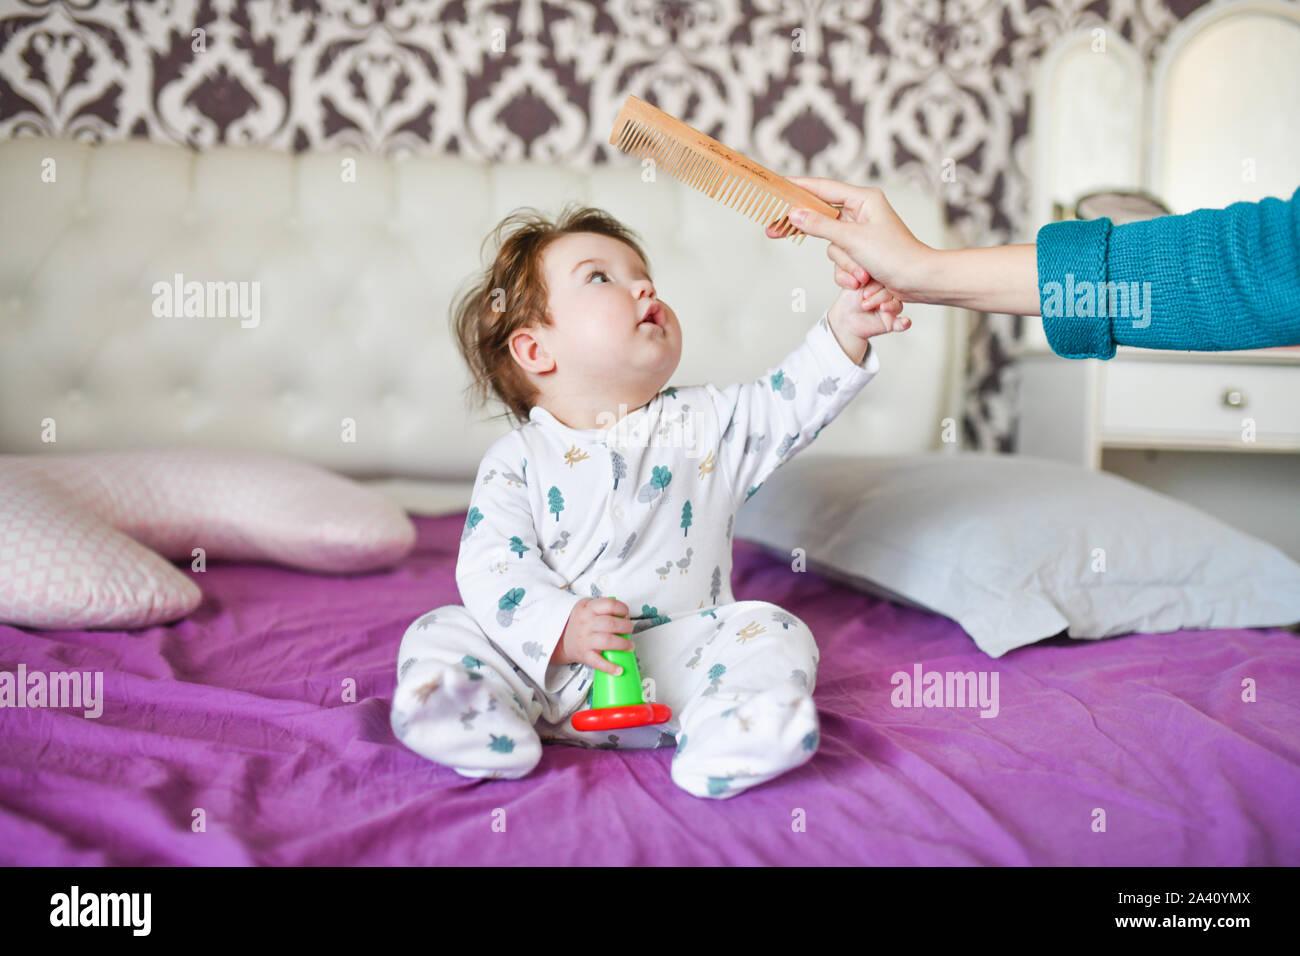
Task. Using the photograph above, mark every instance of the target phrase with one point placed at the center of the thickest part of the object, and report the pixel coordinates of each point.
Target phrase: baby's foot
(740, 745)
(444, 713)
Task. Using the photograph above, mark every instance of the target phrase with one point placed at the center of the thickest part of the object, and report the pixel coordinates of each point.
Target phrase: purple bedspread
(239, 711)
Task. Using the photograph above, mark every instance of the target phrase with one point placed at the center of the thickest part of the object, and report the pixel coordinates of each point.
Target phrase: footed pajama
(642, 509)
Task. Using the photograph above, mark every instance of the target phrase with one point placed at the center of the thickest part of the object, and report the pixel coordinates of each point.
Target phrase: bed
(238, 711)
(255, 730)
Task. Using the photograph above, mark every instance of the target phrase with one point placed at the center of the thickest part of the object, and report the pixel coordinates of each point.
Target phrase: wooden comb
(703, 163)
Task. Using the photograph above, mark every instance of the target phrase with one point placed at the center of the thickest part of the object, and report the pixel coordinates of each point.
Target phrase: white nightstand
(1219, 430)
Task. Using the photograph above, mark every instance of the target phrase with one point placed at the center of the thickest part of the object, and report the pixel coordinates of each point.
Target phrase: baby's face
(600, 298)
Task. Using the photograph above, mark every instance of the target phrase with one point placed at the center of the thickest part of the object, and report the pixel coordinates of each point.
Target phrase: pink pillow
(79, 532)
(61, 567)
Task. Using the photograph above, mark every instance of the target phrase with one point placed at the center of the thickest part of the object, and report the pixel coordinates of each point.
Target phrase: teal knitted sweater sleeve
(1209, 280)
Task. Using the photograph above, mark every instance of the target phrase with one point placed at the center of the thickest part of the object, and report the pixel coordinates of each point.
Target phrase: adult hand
(868, 241)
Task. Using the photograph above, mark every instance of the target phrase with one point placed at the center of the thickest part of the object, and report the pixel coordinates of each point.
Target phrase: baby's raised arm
(766, 421)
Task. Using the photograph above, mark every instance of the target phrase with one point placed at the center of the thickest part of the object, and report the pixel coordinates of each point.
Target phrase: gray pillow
(1017, 549)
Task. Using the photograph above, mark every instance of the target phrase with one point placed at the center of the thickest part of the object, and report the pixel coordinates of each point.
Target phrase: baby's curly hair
(511, 294)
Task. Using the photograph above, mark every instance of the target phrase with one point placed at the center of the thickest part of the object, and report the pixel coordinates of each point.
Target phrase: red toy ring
(612, 718)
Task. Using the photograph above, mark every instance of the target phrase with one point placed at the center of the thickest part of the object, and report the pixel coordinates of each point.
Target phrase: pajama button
(618, 513)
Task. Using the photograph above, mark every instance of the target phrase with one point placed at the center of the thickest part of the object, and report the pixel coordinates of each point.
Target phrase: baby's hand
(594, 625)
(868, 311)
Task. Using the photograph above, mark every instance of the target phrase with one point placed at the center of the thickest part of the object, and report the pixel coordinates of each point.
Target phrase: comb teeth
(694, 166)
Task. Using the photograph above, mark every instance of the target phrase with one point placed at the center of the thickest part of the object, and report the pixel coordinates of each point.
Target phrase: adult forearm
(992, 279)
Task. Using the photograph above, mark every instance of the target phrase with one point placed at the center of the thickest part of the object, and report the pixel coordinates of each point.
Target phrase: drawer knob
(1233, 398)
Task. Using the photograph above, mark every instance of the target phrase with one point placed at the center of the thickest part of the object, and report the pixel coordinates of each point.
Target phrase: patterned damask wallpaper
(853, 89)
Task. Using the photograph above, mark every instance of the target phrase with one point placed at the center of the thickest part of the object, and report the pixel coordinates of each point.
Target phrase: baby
(613, 484)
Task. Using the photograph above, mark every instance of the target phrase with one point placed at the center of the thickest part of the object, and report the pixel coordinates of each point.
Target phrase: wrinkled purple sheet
(238, 710)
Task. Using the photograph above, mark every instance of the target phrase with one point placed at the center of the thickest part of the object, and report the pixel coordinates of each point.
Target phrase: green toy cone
(616, 699)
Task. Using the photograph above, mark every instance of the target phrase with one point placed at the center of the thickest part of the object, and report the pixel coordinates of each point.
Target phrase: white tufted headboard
(354, 276)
